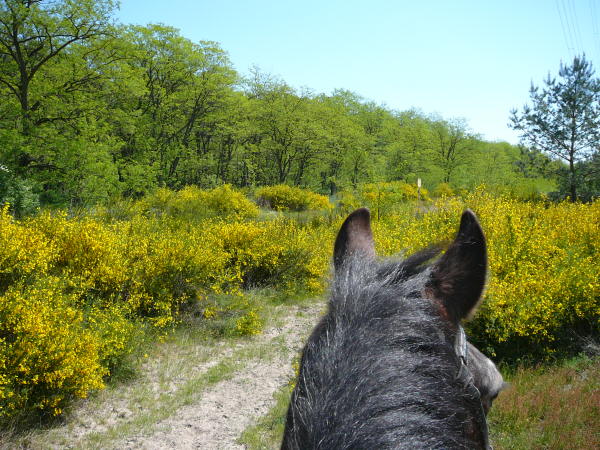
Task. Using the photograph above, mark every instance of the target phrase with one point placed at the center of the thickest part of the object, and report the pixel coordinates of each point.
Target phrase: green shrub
(443, 190)
(289, 198)
(20, 194)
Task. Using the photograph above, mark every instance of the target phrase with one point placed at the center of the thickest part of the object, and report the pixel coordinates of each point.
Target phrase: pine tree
(564, 118)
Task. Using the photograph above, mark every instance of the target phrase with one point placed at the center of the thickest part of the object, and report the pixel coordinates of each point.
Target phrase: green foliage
(121, 111)
(452, 144)
(288, 198)
(587, 178)
(20, 194)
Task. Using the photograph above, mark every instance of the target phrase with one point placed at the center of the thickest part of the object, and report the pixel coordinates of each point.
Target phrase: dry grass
(551, 407)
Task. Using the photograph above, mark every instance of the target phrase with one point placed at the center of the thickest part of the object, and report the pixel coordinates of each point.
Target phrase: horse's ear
(354, 238)
(458, 277)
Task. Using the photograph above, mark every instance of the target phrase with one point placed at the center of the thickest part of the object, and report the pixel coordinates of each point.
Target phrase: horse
(389, 365)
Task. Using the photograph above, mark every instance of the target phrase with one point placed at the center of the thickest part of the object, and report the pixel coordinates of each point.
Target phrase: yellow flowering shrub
(249, 324)
(105, 279)
(47, 356)
(86, 250)
(75, 292)
(23, 251)
(166, 266)
(443, 190)
(383, 198)
(98, 282)
(278, 253)
(224, 201)
(289, 198)
(115, 333)
(544, 263)
(190, 204)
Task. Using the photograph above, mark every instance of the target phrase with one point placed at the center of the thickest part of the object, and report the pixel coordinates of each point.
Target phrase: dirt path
(223, 411)
(192, 395)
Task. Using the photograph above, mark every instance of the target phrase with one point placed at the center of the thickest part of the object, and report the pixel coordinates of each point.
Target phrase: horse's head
(456, 284)
(391, 356)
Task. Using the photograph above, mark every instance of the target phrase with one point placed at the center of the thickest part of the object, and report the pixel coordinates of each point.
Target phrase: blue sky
(469, 59)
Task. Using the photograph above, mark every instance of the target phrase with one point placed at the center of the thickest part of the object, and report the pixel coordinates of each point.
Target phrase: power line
(570, 27)
(595, 29)
(576, 28)
(566, 35)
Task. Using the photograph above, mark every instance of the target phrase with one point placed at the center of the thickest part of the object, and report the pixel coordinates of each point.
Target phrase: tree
(53, 55)
(564, 118)
(360, 141)
(451, 144)
(284, 125)
(344, 137)
(409, 136)
(34, 34)
(173, 103)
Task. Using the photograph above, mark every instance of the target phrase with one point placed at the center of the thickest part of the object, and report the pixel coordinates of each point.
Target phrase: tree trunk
(572, 181)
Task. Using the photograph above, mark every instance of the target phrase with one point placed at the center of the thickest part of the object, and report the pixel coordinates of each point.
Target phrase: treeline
(92, 109)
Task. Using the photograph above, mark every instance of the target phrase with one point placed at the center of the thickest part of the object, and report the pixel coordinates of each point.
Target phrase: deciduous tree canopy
(92, 109)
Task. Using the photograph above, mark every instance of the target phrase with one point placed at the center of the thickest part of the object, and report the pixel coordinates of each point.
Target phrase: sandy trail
(212, 418)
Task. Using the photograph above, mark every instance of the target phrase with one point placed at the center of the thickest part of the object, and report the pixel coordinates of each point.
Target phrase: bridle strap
(460, 347)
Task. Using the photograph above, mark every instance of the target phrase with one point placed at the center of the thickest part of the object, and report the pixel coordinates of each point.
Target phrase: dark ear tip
(355, 236)
(468, 217)
(469, 225)
(360, 217)
(360, 213)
